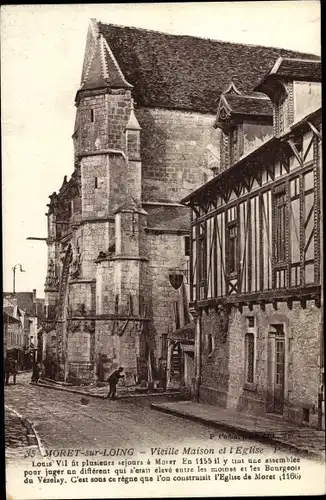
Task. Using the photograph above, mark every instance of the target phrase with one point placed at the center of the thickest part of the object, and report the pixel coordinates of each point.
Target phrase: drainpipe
(196, 315)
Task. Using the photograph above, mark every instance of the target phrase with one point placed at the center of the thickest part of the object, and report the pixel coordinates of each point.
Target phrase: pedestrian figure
(35, 373)
(162, 373)
(113, 380)
(10, 369)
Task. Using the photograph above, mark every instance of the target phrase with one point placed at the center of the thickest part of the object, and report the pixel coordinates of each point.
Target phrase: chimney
(34, 295)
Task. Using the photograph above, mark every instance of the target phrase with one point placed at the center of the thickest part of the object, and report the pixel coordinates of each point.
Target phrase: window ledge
(250, 387)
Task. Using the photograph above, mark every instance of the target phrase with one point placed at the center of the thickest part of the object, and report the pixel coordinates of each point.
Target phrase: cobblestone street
(69, 420)
(16, 431)
(65, 420)
(19, 436)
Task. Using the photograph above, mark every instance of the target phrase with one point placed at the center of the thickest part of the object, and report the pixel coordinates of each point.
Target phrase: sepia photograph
(162, 250)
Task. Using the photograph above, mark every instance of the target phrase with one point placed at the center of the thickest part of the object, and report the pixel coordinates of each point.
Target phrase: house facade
(118, 237)
(13, 331)
(256, 253)
(31, 309)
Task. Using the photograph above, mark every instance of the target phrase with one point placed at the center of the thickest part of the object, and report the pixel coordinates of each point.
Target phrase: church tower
(106, 297)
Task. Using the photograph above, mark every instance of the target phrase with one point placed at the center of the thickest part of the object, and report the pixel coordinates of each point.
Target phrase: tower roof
(102, 69)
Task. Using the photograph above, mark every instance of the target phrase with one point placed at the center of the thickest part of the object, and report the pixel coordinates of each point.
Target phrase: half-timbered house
(256, 250)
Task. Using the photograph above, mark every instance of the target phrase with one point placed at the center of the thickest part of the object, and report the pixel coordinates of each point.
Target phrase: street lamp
(14, 275)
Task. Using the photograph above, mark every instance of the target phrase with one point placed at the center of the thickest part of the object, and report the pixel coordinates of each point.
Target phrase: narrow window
(232, 236)
(187, 246)
(280, 229)
(210, 344)
(250, 356)
(96, 182)
(251, 321)
(131, 305)
(116, 304)
(176, 315)
(305, 415)
(92, 115)
(164, 345)
(202, 258)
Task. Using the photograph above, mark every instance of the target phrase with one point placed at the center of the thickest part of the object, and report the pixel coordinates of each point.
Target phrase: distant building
(118, 237)
(30, 310)
(256, 252)
(13, 330)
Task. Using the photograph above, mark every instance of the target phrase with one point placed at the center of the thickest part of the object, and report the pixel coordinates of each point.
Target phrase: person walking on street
(35, 373)
(113, 380)
(162, 373)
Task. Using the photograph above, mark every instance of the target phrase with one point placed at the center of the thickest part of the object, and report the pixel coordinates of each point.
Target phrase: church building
(118, 236)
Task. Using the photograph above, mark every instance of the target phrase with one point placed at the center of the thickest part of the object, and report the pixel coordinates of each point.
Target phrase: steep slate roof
(247, 105)
(25, 302)
(293, 69)
(8, 317)
(186, 72)
(297, 69)
(300, 69)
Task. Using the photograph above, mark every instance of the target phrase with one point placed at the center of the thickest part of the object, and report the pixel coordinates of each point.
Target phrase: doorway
(276, 369)
(189, 367)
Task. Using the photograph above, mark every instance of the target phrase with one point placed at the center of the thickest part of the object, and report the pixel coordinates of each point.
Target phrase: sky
(42, 48)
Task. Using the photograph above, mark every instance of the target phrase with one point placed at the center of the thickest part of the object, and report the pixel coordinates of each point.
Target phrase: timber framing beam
(286, 295)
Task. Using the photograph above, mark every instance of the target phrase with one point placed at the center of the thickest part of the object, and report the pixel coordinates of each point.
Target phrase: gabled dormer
(246, 120)
(294, 87)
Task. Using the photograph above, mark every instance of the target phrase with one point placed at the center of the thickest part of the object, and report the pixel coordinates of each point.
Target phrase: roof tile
(186, 72)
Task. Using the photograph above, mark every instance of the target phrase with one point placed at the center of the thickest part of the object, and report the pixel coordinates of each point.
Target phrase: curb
(259, 435)
(98, 396)
(32, 434)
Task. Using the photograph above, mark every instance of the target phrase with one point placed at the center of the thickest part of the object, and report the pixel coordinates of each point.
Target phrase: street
(67, 420)
(64, 420)
(94, 428)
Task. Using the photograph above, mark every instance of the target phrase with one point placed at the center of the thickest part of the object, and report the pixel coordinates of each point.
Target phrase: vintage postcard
(163, 264)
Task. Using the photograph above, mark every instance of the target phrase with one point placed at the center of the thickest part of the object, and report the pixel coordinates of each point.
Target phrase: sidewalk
(303, 440)
(20, 436)
(93, 391)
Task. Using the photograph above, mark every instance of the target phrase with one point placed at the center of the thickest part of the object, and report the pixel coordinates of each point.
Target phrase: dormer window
(235, 143)
(241, 117)
(289, 85)
(234, 136)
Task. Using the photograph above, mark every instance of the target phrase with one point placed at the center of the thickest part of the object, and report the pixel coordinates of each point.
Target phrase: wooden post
(196, 315)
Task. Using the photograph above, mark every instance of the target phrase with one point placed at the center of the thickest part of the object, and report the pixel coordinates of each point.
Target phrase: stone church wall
(174, 152)
(166, 253)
